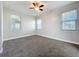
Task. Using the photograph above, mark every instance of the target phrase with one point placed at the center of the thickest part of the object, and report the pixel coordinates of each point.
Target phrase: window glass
(39, 23)
(69, 20)
(71, 15)
(15, 23)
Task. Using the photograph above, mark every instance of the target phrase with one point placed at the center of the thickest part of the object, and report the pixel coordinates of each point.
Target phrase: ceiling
(23, 6)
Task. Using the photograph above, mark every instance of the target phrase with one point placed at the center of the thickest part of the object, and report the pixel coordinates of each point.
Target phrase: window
(15, 23)
(38, 23)
(69, 20)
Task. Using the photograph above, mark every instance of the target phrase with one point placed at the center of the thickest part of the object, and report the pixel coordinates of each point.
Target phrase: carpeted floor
(37, 46)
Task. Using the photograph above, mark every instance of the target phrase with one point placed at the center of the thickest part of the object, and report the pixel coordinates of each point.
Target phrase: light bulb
(36, 8)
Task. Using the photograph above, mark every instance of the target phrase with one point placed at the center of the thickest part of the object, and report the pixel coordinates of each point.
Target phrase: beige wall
(27, 25)
(51, 25)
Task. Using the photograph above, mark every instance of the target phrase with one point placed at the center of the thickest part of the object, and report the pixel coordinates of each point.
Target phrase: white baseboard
(58, 39)
(43, 36)
(17, 37)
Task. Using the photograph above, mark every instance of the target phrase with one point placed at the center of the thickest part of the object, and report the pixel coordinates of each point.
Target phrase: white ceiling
(23, 6)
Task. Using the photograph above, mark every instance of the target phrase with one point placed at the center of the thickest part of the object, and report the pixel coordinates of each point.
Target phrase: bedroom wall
(0, 26)
(1, 42)
(27, 25)
(51, 25)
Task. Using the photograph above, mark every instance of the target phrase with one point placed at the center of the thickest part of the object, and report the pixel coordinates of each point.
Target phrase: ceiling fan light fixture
(36, 8)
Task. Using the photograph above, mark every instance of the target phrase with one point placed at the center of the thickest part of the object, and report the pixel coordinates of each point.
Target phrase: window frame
(12, 22)
(38, 21)
(63, 21)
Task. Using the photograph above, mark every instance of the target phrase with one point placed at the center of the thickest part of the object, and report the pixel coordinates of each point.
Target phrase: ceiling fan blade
(37, 4)
(31, 8)
(34, 4)
(41, 9)
(42, 6)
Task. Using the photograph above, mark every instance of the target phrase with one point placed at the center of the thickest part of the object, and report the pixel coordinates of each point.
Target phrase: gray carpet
(37, 46)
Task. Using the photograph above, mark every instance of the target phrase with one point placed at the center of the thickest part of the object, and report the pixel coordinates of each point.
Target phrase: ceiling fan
(37, 6)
